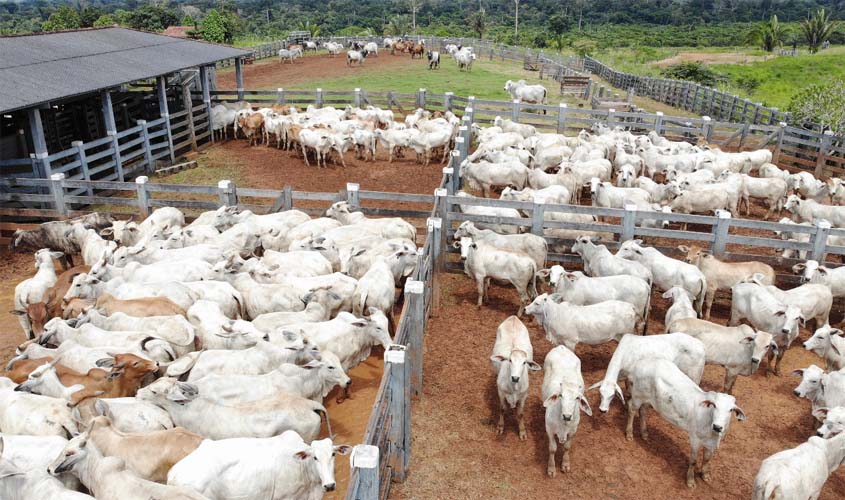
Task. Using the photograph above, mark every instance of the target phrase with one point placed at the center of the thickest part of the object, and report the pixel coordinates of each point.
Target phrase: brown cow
(75, 306)
(417, 50)
(50, 307)
(19, 369)
(142, 307)
(252, 126)
(149, 454)
(400, 46)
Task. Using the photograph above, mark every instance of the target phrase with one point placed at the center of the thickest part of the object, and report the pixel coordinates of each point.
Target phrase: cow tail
(647, 311)
(321, 411)
(534, 272)
(699, 300)
(545, 92)
(361, 304)
(239, 300)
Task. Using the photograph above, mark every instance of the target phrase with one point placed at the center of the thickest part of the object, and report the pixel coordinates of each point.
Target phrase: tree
(214, 27)
(817, 29)
(558, 25)
(516, 20)
(695, 72)
(822, 104)
(310, 27)
(478, 22)
(397, 26)
(152, 18)
(64, 18)
(415, 6)
(105, 20)
(768, 35)
(188, 20)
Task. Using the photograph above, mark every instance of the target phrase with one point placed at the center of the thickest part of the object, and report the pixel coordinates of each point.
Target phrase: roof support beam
(239, 77)
(161, 89)
(111, 130)
(206, 97)
(39, 143)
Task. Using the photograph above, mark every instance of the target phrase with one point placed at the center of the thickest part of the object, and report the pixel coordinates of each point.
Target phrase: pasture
(456, 453)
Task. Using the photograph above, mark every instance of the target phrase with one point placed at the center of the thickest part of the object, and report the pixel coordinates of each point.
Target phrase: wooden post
(365, 458)
(206, 98)
(148, 153)
(228, 193)
(189, 109)
(658, 122)
(629, 225)
(561, 118)
(435, 228)
(111, 130)
(161, 87)
(743, 134)
(415, 295)
(820, 240)
(720, 232)
(447, 101)
(707, 128)
(421, 98)
(781, 132)
(143, 196)
(456, 165)
(515, 111)
(449, 172)
(356, 101)
(609, 118)
(352, 199)
(318, 98)
(538, 211)
(824, 148)
(288, 202)
(394, 360)
(280, 95)
(83, 163)
(239, 77)
(58, 192)
(39, 142)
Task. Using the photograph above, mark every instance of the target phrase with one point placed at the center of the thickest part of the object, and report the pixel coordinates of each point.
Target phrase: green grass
(249, 41)
(486, 81)
(782, 77)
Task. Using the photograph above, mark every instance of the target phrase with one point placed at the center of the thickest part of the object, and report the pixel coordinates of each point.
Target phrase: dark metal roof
(36, 69)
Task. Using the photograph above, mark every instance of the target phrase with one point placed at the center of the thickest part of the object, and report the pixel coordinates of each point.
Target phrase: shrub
(64, 18)
(694, 72)
(823, 104)
(747, 83)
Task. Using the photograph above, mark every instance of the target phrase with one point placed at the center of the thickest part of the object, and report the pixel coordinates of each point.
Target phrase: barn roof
(36, 69)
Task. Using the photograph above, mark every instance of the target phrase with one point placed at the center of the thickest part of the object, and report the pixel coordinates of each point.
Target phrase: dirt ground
(456, 453)
(269, 74)
(710, 58)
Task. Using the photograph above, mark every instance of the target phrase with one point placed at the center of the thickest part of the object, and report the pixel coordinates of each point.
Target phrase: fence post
(609, 117)
(561, 118)
(629, 223)
(471, 102)
(58, 192)
(707, 128)
(658, 122)
(538, 210)
(435, 228)
(228, 194)
(319, 98)
(820, 240)
(352, 199)
(118, 162)
(421, 98)
(287, 203)
(189, 110)
(515, 111)
(781, 132)
(206, 99)
(83, 163)
(148, 153)
(143, 196)
(456, 174)
(161, 89)
(720, 232)
(450, 172)
(280, 95)
(394, 358)
(447, 101)
(365, 458)
(356, 102)
(824, 147)
(415, 295)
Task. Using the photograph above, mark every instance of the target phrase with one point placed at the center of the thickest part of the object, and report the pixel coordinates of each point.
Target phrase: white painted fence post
(319, 98)
(538, 211)
(707, 128)
(280, 95)
(365, 458)
(658, 122)
(561, 118)
(143, 196)
(720, 232)
(58, 191)
(415, 297)
(228, 195)
(515, 111)
(352, 199)
(820, 240)
(357, 100)
(394, 358)
(629, 223)
(435, 229)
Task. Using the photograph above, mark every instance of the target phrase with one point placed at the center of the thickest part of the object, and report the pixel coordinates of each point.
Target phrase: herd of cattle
(360, 50)
(175, 363)
(611, 299)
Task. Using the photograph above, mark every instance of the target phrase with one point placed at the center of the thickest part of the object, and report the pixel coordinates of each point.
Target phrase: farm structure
(69, 108)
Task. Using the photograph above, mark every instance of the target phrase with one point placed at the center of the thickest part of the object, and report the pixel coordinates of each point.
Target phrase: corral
(455, 451)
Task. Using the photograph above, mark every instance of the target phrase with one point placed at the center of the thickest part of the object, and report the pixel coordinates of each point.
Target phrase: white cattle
(275, 468)
(564, 400)
(824, 390)
(33, 415)
(387, 227)
(606, 195)
(705, 416)
(828, 344)
(484, 175)
(216, 331)
(483, 261)
(522, 92)
(355, 56)
(532, 245)
(833, 278)
(814, 300)
(263, 418)
(598, 261)
(568, 324)
(289, 54)
(681, 307)
(512, 359)
(812, 211)
(740, 350)
(799, 472)
(32, 290)
(132, 415)
(772, 190)
(833, 423)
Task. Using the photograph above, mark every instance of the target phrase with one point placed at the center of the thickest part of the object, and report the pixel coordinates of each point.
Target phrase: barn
(103, 104)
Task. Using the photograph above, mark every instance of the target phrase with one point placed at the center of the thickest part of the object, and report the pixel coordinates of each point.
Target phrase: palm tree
(397, 26)
(478, 22)
(768, 35)
(817, 29)
(310, 27)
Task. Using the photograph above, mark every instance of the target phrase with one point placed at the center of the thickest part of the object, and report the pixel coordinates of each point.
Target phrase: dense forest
(605, 23)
